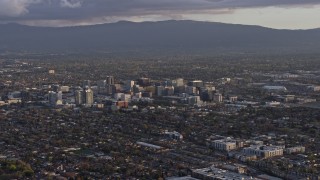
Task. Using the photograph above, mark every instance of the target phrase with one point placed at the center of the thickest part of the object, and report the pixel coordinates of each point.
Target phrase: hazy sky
(281, 14)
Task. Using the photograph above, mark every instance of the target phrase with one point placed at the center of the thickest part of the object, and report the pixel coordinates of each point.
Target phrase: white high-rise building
(179, 82)
(89, 96)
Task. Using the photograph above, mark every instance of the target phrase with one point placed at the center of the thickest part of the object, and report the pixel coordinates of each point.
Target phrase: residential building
(264, 151)
(89, 96)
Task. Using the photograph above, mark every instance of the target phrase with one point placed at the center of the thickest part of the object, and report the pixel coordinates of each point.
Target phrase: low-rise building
(314, 88)
(264, 151)
(174, 135)
(227, 144)
(217, 174)
(298, 149)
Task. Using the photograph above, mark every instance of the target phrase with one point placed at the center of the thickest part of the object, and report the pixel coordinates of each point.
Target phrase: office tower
(51, 71)
(89, 96)
(117, 96)
(126, 97)
(128, 85)
(170, 82)
(52, 97)
(233, 98)
(55, 98)
(151, 89)
(86, 84)
(196, 83)
(180, 89)
(101, 84)
(64, 89)
(179, 82)
(191, 90)
(209, 87)
(217, 97)
(175, 82)
(194, 100)
(206, 95)
(144, 82)
(169, 91)
(138, 95)
(111, 89)
(55, 88)
(110, 80)
(79, 97)
(136, 88)
(59, 94)
(159, 90)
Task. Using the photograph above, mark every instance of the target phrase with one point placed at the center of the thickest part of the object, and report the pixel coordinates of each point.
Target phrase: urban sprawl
(59, 123)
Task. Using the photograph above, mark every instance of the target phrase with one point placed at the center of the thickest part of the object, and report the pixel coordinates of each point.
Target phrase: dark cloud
(104, 10)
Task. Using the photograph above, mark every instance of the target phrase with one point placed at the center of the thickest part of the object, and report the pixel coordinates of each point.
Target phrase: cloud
(261, 3)
(96, 11)
(70, 3)
(15, 8)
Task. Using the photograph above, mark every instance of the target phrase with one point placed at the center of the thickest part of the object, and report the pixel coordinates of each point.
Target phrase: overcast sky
(281, 14)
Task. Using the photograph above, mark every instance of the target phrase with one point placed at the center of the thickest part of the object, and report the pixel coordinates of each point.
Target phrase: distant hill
(173, 36)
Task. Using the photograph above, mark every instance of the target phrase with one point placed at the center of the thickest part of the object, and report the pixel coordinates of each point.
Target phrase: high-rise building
(233, 98)
(55, 98)
(79, 97)
(52, 97)
(64, 89)
(174, 82)
(217, 97)
(126, 97)
(179, 82)
(136, 89)
(196, 83)
(127, 86)
(110, 80)
(101, 84)
(180, 89)
(111, 89)
(206, 95)
(55, 87)
(191, 90)
(117, 96)
(169, 91)
(151, 89)
(86, 84)
(89, 96)
(144, 82)
(193, 100)
(51, 71)
(159, 90)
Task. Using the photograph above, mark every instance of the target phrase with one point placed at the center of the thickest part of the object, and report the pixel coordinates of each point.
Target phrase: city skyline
(284, 14)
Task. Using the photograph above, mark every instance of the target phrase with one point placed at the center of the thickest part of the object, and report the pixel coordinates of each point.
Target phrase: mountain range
(164, 36)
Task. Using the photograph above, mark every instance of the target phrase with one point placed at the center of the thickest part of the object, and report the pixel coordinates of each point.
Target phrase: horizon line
(140, 22)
